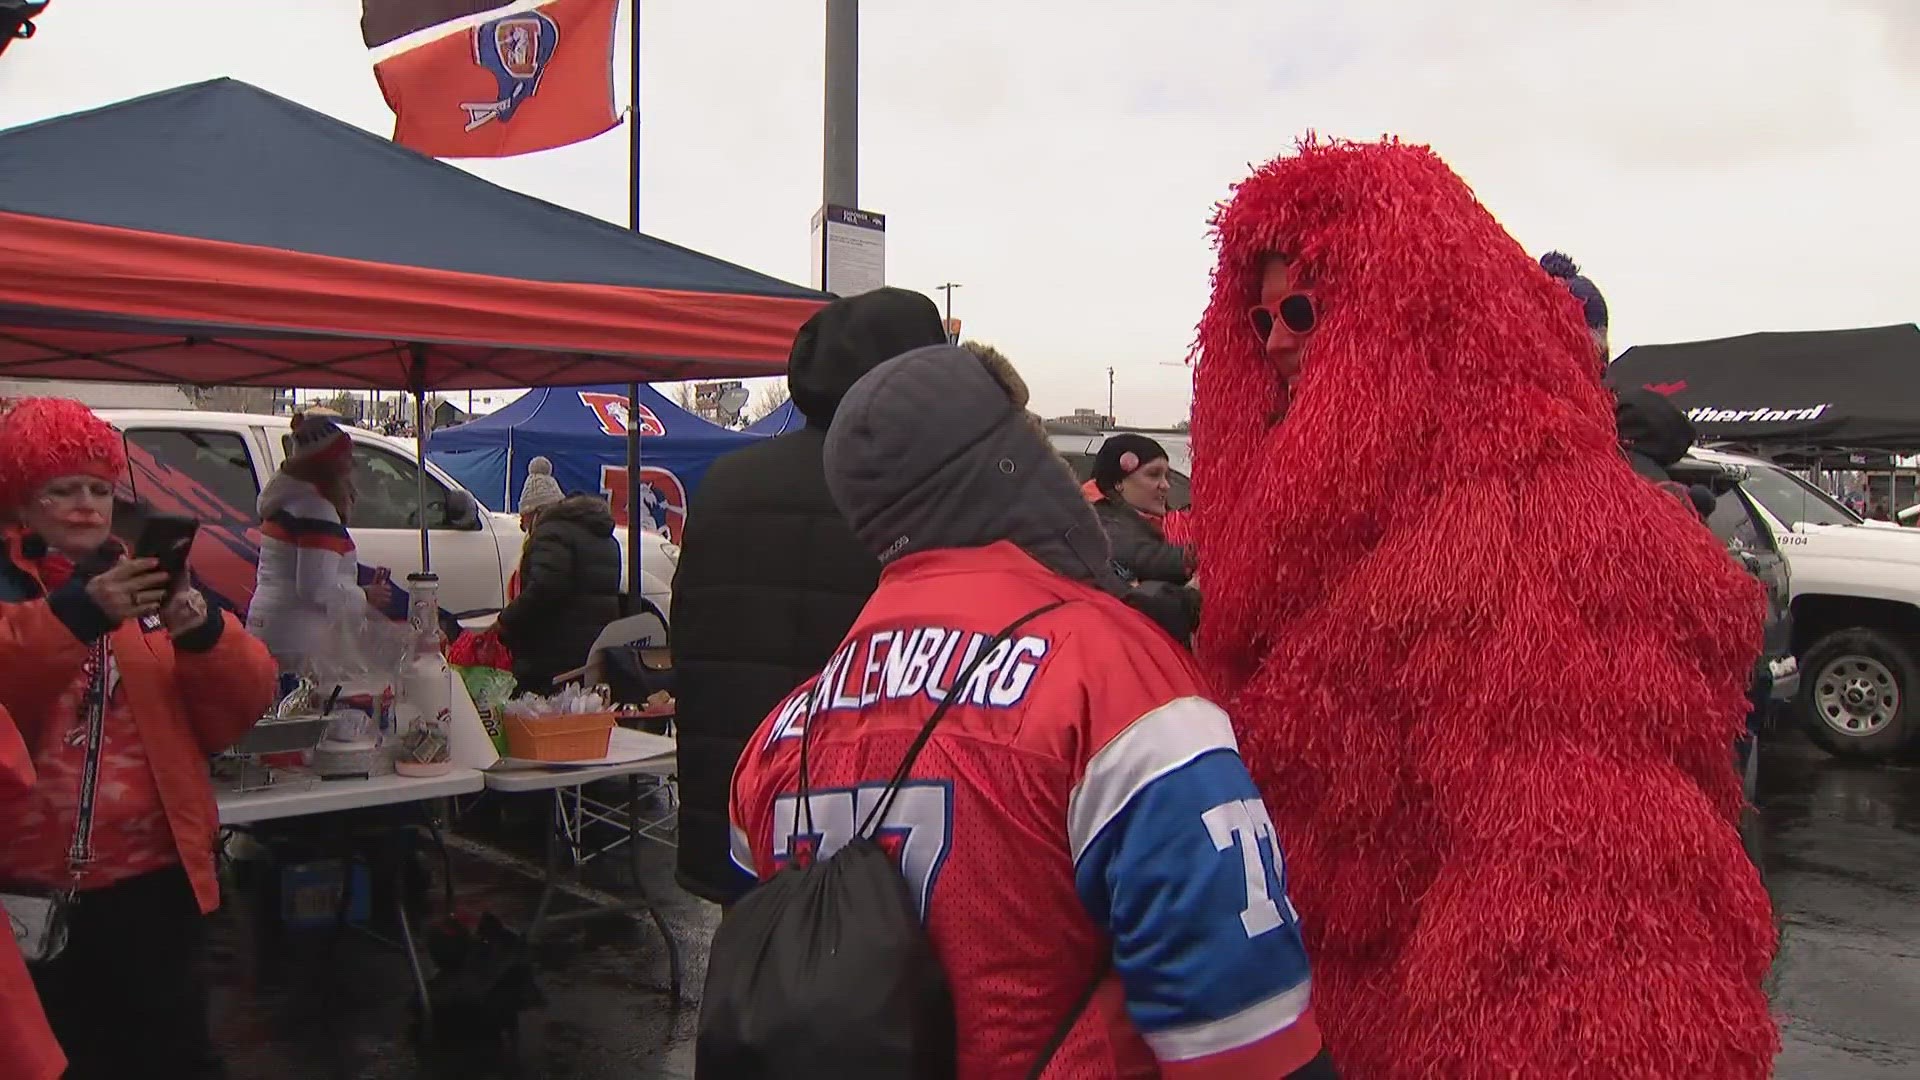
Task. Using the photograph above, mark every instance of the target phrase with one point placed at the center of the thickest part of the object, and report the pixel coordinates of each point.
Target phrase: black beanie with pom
(1122, 455)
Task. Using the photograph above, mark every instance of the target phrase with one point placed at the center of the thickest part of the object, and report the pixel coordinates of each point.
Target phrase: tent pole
(419, 380)
(635, 562)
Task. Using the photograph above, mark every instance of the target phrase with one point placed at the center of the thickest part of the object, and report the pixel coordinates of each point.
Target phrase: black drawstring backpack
(825, 970)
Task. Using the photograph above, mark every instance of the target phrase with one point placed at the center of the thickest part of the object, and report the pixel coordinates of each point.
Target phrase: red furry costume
(1486, 677)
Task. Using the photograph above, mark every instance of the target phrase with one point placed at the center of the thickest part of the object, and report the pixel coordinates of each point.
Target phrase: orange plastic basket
(580, 737)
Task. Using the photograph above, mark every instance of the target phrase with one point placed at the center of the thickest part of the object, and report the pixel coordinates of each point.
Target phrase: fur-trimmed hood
(935, 449)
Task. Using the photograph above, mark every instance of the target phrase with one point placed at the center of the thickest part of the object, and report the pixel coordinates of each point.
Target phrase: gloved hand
(1175, 608)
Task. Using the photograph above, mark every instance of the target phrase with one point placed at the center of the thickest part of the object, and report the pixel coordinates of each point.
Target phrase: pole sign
(849, 250)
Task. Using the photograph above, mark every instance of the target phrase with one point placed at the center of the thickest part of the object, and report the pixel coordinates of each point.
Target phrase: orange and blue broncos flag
(482, 78)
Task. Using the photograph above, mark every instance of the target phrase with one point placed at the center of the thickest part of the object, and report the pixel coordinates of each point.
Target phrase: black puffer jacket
(1157, 570)
(770, 577)
(1142, 553)
(569, 590)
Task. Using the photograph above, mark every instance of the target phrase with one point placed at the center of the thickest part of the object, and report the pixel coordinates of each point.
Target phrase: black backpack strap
(879, 812)
(1079, 1009)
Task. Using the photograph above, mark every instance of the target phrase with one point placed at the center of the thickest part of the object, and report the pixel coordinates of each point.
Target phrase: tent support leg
(634, 507)
(419, 382)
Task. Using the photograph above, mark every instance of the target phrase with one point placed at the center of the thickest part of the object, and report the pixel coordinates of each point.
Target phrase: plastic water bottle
(425, 706)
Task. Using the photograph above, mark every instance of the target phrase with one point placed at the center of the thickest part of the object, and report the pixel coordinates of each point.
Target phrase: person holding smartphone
(121, 680)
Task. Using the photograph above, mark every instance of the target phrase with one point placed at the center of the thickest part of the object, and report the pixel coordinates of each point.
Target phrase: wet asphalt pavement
(1841, 847)
(1842, 859)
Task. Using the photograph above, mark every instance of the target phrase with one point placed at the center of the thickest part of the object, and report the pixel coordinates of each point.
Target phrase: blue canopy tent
(583, 431)
(778, 422)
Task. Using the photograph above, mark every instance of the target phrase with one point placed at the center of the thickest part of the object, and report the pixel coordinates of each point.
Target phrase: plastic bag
(363, 662)
(567, 701)
(490, 688)
(480, 649)
(364, 650)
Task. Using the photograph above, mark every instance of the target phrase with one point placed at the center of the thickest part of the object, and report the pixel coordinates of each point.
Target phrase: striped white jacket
(308, 592)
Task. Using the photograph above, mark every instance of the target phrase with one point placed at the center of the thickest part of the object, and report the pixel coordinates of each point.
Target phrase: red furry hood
(1446, 361)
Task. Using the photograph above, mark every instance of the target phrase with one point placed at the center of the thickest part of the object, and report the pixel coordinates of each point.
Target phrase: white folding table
(296, 794)
(653, 759)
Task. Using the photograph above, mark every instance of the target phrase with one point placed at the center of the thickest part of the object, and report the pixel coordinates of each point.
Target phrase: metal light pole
(1111, 422)
(952, 338)
(840, 174)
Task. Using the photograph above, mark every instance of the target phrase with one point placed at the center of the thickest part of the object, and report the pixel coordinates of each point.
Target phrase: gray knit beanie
(540, 489)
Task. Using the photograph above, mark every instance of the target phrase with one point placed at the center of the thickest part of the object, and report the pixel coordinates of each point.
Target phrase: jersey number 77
(917, 831)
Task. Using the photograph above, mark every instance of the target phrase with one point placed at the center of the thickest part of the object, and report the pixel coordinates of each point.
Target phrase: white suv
(1856, 612)
(211, 465)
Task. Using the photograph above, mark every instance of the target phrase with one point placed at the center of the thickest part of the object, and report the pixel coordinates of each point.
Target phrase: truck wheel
(1857, 701)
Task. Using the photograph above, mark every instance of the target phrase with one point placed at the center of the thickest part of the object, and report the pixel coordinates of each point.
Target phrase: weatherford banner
(1713, 414)
(479, 78)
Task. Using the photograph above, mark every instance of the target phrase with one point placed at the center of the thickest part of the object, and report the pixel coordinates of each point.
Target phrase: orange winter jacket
(186, 704)
(26, 1043)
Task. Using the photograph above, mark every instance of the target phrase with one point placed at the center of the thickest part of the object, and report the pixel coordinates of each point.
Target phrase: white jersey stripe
(1249, 1025)
(739, 849)
(1151, 747)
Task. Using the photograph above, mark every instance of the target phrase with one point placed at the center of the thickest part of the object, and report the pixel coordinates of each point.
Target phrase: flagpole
(634, 561)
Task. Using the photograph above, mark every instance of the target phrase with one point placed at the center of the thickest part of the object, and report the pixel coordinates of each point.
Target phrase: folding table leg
(551, 849)
(413, 962)
(640, 886)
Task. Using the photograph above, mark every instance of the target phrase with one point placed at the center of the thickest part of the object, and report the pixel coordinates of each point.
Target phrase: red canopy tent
(216, 234)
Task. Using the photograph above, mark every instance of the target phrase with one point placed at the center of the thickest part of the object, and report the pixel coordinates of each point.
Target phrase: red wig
(44, 439)
(1487, 679)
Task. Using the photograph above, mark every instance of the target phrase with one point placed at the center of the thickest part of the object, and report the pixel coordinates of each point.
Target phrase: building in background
(720, 402)
(1085, 418)
(97, 395)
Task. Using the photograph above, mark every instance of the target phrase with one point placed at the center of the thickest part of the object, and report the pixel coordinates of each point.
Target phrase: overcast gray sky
(1718, 166)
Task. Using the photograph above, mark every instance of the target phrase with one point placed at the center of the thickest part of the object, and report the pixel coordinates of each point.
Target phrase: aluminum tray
(282, 735)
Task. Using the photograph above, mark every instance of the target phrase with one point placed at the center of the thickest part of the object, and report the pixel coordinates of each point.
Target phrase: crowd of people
(908, 623)
(1393, 402)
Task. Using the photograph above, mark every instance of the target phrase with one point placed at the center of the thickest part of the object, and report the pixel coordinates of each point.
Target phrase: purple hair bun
(1584, 290)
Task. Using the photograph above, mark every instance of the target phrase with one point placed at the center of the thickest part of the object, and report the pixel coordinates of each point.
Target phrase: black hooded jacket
(770, 576)
(569, 590)
(1654, 433)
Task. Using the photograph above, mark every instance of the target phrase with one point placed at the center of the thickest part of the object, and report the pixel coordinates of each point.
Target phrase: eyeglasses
(1295, 311)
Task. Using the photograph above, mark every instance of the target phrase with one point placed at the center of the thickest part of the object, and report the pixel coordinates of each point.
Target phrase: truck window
(1792, 500)
(1736, 525)
(175, 471)
(389, 493)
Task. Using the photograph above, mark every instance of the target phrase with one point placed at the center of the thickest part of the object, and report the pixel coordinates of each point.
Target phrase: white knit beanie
(541, 489)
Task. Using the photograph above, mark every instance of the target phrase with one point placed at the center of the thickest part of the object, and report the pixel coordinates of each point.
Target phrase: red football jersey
(1081, 796)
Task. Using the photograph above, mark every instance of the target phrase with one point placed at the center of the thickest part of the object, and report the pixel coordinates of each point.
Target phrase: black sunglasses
(1295, 311)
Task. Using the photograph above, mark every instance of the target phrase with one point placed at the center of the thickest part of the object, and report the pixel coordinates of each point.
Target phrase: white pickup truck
(211, 466)
(1856, 612)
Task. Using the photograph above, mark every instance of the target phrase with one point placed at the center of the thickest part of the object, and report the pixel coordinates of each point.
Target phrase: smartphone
(167, 539)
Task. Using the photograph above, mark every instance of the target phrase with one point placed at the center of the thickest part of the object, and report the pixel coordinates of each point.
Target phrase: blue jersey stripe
(1189, 882)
